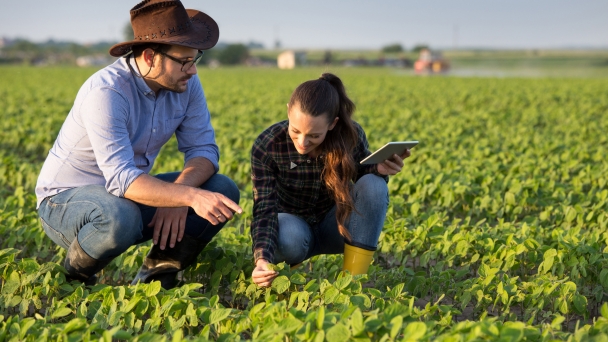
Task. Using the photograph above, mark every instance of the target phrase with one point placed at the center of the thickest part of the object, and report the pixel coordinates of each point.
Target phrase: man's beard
(175, 86)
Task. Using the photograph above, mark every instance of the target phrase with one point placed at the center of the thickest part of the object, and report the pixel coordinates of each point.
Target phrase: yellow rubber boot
(356, 260)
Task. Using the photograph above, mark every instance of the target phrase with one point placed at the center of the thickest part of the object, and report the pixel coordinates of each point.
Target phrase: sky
(333, 24)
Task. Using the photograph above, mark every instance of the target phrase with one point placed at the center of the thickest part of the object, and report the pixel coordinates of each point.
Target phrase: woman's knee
(372, 187)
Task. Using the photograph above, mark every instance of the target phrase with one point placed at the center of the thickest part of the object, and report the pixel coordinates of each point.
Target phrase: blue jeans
(106, 225)
(299, 241)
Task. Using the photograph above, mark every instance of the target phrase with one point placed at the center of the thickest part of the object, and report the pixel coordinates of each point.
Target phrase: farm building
(290, 59)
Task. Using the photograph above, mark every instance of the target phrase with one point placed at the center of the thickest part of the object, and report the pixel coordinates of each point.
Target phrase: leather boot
(357, 259)
(163, 265)
(81, 266)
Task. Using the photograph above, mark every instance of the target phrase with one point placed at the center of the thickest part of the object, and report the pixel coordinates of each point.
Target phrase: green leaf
(298, 279)
(273, 267)
(61, 312)
(604, 310)
(343, 280)
(290, 324)
(361, 300)
(330, 294)
(321, 317)
(356, 322)
(414, 331)
(281, 284)
(153, 289)
(218, 315)
(415, 208)
(509, 198)
(338, 333)
(580, 304)
(395, 325)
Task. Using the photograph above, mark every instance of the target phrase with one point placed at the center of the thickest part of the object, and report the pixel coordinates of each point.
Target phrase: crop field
(496, 229)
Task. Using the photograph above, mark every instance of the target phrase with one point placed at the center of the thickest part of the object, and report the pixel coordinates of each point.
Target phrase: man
(95, 197)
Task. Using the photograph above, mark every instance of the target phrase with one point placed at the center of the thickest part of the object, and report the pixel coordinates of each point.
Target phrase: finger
(211, 218)
(225, 213)
(392, 166)
(406, 154)
(151, 224)
(258, 274)
(182, 228)
(230, 204)
(165, 230)
(397, 160)
(259, 278)
(158, 223)
(263, 280)
(174, 233)
(219, 217)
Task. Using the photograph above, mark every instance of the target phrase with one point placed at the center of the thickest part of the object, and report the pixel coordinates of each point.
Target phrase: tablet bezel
(386, 151)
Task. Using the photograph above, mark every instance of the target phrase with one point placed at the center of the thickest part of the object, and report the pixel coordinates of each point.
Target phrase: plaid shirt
(285, 181)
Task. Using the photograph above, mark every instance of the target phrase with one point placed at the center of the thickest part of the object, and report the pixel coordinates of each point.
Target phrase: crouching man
(95, 196)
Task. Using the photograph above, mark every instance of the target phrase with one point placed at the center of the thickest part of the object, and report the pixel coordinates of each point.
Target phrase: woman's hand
(394, 165)
(261, 275)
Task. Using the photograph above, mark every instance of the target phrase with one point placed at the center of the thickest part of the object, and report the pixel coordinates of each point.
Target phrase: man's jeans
(299, 241)
(106, 225)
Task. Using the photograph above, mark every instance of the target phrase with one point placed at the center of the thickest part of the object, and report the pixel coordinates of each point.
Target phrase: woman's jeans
(299, 241)
(106, 225)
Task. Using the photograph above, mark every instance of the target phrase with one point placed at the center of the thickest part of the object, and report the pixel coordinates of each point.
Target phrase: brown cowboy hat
(168, 22)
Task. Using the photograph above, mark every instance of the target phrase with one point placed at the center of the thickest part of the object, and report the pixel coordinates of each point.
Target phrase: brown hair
(327, 96)
(139, 49)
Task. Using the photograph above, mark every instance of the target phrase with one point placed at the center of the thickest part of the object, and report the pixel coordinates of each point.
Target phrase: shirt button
(308, 161)
(154, 130)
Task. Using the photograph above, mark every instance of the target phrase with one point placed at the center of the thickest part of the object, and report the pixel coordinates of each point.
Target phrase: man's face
(170, 75)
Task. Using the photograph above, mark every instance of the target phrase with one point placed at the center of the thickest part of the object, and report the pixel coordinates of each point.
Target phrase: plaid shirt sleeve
(361, 152)
(264, 226)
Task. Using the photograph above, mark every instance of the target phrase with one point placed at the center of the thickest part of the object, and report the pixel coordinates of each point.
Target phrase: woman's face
(307, 131)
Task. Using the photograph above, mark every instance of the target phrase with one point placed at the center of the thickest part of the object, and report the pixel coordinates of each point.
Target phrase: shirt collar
(139, 81)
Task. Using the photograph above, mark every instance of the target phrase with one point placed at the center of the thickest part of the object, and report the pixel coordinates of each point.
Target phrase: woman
(311, 194)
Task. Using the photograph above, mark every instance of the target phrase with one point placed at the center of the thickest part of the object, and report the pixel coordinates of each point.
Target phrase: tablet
(385, 152)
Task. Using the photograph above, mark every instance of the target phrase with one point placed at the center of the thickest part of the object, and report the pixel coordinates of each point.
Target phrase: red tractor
(430, 63)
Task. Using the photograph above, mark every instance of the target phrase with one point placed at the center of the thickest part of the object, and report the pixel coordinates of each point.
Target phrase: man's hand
(214, 207)
(394, 165)
(261, 275)
(169, 223)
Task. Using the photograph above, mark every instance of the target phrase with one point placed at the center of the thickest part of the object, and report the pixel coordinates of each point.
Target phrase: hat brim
(203, 36)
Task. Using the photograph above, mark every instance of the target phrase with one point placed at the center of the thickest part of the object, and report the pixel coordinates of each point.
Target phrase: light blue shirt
(116, 129)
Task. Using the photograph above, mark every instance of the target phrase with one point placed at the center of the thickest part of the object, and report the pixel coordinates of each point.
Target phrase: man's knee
(223, 185)
(122, 223)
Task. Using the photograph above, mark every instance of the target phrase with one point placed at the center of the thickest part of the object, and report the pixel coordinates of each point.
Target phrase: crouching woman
(311, 194)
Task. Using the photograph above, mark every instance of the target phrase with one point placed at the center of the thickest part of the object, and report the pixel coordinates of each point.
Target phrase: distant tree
(127, 32)
(327, 57)
(419, 48)
(233, 54)
(255, 45)
(393, 48)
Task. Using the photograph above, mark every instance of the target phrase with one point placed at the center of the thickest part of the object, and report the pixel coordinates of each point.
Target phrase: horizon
(322, 24)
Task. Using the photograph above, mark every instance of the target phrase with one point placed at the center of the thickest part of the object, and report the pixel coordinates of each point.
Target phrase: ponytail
(327, 95)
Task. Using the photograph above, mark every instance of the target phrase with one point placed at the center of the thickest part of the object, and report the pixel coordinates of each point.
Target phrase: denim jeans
(298, 241)
(106, 225)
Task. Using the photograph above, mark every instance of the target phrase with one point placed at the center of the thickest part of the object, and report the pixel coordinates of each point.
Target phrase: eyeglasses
(186, 65)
